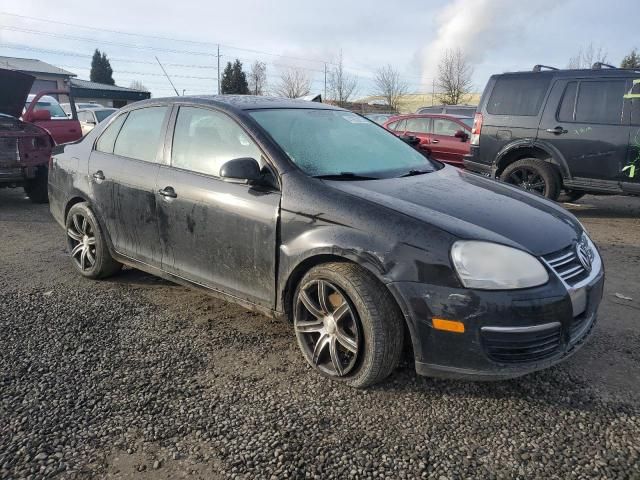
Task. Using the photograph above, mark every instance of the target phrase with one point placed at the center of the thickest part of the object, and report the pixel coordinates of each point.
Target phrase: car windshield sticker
(631, 169)
(635, 90)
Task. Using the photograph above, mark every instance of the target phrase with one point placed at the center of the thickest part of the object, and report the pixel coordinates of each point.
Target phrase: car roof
(242, 102)
(430, 115)
(96, 109)
(578, 73)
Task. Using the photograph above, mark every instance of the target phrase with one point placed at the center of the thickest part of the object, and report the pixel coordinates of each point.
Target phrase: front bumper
(507, 333)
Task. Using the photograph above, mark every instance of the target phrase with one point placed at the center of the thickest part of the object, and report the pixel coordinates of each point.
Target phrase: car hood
(473, 207)
(14, 91)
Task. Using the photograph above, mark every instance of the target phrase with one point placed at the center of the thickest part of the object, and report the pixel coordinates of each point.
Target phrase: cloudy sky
(496, 36)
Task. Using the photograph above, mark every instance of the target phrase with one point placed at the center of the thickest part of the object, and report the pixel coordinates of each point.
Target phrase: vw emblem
(584, 255)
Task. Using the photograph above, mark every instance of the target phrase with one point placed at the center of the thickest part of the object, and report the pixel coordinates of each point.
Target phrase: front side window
(141, 134)
(518, 95)
(600, 102)
(445, 127)
(108, 138)
(204, 140)
(418, 125)
(335, 142)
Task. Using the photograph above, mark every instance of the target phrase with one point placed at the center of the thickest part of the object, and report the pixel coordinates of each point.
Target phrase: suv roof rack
(599, 65)
(539, 68)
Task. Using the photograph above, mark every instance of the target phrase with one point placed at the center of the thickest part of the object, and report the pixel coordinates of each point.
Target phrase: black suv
(551, 130)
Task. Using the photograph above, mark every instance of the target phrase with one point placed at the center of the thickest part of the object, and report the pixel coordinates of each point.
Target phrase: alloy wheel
(82, 242)
(528, 179)
(327, 328)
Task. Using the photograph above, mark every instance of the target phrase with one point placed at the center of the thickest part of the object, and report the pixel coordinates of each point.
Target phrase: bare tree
(342, 86)
(294, 83)
(454, 78)
(390, 86)
(138, 85)
(257, 78)
(587, 56)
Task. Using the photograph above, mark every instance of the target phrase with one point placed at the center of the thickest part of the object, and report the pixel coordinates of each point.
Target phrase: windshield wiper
(412, 173)
(345, 176)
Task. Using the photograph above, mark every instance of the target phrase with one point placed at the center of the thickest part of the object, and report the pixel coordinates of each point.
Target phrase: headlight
(491, 266)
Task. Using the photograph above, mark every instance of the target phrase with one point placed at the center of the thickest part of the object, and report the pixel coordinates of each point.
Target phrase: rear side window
(140, 135)
(108, 138)
(398, 126)
(600, 102)
(518, 95)
(418, 125)
(567, 106)
(204, 140)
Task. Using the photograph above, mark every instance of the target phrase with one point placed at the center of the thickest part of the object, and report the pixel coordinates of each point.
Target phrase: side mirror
(40, 116)
(241, 170)
(411, 140)
(462, 135)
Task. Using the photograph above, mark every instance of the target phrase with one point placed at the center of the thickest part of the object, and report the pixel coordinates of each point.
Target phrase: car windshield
(102, 114)
(340, 143)
(468, 121)
(51, 104)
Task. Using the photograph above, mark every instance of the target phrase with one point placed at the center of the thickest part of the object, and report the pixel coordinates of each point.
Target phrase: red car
(45, 111)
(443, 137)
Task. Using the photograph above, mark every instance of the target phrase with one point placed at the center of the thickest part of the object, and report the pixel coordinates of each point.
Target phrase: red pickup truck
(26, 144)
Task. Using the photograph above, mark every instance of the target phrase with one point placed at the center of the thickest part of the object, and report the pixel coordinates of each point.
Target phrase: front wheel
(533, 175)
(347, 324)
(89, 253)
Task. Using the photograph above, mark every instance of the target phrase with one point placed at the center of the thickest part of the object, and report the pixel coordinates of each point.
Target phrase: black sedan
(312, 213)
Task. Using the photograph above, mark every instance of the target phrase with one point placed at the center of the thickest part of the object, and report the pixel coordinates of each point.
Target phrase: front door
(419, 127)
(122, 169)
(584, 121)
(445, 146)
(218, 234)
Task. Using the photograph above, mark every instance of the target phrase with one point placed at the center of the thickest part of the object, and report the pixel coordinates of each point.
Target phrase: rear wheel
(89, 253)
(36, 188)
(533, 175)
(347, 324)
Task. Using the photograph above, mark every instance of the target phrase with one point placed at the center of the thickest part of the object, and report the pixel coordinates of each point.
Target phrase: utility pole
(325, 82)
(218, 69)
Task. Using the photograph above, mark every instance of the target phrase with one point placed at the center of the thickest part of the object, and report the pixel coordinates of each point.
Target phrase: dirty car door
(215, 233)
(123, 168)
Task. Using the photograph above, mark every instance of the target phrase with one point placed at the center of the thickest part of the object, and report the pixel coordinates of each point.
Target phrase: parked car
(461, 110)
(90, 118)
(553, 130)
(310, 212)
(25, 148)
(443, 137)
(379, 118)
(44, 110)
(79, 106)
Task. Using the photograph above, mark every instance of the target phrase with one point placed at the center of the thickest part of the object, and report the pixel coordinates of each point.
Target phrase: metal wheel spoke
(83, 258)
(538, 185)
(84, 225)
(339, 312)
(313, 310)
(77, 224)
(322, 297)
(91, 257)
(322, 342)
(77, 249)
(309, 327)
(335, 358)
(348, 343)
(91, 241)
(74, 235)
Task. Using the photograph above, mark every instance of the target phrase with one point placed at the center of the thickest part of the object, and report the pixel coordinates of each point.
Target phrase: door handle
(168, 192)
(557, 130)
(435, 140)
(98, 175)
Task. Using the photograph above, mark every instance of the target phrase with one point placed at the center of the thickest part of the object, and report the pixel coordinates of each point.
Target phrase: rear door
(445, 146)
(583, 119)
(216, 233)
(122, 169)
(631, 170)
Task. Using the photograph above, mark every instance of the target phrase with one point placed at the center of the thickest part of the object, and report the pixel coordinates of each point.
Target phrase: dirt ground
(140, 378)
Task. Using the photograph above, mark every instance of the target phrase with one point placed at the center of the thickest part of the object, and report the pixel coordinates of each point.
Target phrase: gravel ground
(135, 377)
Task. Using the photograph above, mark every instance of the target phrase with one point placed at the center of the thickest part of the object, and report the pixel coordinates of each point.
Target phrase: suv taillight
(476, 129)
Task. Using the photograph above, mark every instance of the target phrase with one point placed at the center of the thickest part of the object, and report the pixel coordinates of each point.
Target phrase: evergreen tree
(101, 71)
(632, 60)
(234, 80)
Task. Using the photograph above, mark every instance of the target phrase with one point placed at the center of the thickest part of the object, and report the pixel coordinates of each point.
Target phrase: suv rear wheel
(533, 175)
(348, 325)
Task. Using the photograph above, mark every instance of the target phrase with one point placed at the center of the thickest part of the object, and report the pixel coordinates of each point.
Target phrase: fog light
(448, 325)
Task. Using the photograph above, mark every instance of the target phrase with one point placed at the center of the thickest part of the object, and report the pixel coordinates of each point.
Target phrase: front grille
(9, 152)
(521, 345)
(567, 265)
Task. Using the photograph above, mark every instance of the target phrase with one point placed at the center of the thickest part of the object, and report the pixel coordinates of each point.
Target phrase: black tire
(535, 176)
(90, 255)
(37, 188)
(568, 195)
(376, 324)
